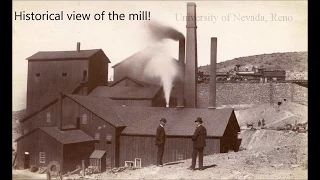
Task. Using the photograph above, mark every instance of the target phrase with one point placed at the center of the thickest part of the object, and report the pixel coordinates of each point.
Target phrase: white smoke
(162, 66)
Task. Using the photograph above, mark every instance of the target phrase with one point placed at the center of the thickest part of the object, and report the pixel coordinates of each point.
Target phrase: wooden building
(51, 72)
(137, 142)
(130, 130)
(98, 160)
(45, 144)
(130, 92)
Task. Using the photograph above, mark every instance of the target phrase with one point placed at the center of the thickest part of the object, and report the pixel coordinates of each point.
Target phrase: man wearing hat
(160, 140)
(199, 142)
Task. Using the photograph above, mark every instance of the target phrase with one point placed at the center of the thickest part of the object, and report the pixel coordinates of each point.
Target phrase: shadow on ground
(173, 163)
(207, 167)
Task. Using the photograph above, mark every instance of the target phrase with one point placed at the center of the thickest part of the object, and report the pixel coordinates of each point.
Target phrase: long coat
(160, 135)
(199, 137)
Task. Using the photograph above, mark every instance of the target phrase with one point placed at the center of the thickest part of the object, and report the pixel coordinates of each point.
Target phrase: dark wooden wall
(37, 142)
(176, 148)
(73, 154)
(41, 90)
(98, 71)
(40, 120)
(71, 110)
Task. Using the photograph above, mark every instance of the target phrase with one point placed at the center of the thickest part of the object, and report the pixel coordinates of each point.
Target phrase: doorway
(26, 160)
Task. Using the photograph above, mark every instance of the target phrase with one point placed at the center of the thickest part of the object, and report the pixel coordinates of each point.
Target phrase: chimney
(78, 123)
(78, 46)
(213, 67)
(180, 84)
(191, 67)
(59, 118)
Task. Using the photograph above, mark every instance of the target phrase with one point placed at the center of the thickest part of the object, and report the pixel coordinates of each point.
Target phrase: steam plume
(162, 64)
(160, 32)
(164, 67)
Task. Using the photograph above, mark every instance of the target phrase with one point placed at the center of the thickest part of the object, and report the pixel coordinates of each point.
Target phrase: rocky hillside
(16, 116)
(294, 63)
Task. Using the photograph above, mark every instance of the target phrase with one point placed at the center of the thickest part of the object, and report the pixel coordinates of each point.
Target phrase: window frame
(42, 157)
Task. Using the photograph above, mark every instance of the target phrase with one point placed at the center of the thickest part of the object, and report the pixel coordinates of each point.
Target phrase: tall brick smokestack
(213, 67)
(180, 84)
(191, 67)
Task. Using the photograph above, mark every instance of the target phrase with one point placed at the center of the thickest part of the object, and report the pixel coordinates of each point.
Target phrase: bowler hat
(163, 120)
(199, 119)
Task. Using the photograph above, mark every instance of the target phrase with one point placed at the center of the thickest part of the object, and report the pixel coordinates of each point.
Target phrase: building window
(48, 117)
(84, 75)
(84, 118)
(25, 130)
(42, 157)
(37, 74)
(97, 136)
(64, 74)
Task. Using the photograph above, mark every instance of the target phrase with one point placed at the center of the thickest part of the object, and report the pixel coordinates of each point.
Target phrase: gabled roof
(65, 55)
(180, 122)
(140, 83)
(64, 137)
(130, 92)
(144, 120)
(70, 89)
(140, 58)
(97, 154)
(67, 137)
(100, 106)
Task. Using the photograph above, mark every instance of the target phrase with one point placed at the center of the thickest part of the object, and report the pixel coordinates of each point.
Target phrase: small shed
(98, 160)
(46, 144)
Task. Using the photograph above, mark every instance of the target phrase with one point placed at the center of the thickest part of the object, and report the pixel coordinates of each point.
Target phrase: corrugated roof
(97, 154)
(100, 106)
(129, 92)
(180, 122)
(58, 55)
(67, 137)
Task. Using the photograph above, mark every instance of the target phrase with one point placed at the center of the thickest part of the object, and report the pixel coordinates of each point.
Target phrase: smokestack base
(167, 105)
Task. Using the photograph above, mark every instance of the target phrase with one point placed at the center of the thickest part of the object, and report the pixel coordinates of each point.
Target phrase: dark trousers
(194, 157)
(160, 154)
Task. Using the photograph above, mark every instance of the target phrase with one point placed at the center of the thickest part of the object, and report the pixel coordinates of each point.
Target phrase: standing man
(199, 142)
(160, 140)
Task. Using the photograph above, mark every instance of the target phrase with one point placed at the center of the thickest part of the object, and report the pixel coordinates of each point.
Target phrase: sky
(242, 28)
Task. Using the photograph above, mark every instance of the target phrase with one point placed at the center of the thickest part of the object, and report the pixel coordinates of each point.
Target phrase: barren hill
(294, 63)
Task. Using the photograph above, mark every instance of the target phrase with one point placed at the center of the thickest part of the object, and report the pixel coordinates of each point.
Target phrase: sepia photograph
(159, 89)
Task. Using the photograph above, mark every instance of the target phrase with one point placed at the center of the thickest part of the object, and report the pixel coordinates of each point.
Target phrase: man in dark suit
(199, 142)
(160, 140)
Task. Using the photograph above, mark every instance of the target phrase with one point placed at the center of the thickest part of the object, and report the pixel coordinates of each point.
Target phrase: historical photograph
(160, 90)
